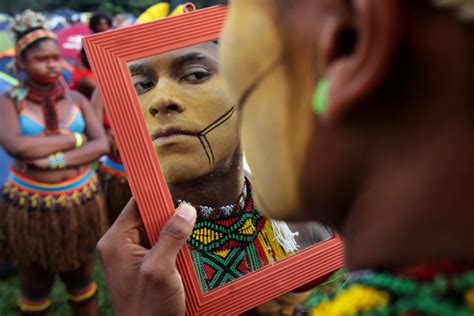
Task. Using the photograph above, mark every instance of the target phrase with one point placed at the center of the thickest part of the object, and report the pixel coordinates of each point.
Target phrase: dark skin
(222, 187)
(368, 166)
(102, 26)
(37, 281)
(86, 85)
(396, 175)
(98, 106)
(147, 275)
(41, 65)
(31, 152)
(408, 198)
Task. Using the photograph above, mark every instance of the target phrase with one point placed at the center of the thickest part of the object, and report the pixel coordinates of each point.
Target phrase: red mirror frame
(109, 54)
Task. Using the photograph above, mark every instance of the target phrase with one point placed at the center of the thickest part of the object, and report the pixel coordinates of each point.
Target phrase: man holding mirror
(384, 157)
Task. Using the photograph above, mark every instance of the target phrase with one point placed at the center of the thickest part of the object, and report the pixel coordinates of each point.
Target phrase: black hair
(84, 60)
(95, 21)
(20, 35)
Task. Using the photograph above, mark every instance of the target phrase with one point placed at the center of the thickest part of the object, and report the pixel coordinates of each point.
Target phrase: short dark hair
(96, 18)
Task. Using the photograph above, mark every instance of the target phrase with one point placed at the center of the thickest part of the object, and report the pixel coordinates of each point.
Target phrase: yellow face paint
(188, 111)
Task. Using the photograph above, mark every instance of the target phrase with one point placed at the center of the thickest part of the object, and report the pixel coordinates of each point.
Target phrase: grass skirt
(55, 226)
(114, 183)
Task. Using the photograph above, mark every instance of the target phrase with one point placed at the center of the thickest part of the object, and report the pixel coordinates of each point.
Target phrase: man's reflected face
(189, 114)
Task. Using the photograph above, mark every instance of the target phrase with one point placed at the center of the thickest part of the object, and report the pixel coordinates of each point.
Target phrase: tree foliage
(110, 6)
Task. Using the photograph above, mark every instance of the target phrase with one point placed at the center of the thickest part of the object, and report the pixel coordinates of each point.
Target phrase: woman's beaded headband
(31, 37)
(30, 20)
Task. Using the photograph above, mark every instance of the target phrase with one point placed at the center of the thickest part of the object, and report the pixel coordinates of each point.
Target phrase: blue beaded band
(57, 161)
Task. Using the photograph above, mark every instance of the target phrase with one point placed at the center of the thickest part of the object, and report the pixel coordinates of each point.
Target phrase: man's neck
(220, 188)
(40, 86)
(420, 212)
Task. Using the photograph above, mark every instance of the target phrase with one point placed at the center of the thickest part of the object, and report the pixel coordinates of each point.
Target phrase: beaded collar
(228, 211)
(227, 227)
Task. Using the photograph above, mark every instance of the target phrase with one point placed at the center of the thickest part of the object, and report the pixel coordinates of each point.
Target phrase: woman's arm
(96, 145)
(23, 147)
(86, 85)
(98, 106)
(96, 102)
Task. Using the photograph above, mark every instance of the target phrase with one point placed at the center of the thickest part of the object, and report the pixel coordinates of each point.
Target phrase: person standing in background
(52, 211)
(82, 76)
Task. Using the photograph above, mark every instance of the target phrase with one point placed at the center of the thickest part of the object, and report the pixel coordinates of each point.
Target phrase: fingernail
(186, 212)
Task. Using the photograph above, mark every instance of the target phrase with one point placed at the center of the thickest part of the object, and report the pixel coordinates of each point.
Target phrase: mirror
(194, 127)
(110, 57)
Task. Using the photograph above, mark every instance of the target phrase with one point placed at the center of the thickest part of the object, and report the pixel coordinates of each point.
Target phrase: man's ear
(359, 55)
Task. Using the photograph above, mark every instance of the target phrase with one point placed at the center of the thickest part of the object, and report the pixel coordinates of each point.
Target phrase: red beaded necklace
(47, 99)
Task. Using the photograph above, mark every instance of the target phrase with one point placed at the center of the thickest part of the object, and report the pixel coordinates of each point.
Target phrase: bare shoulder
(6, 102)
(8, 117)
(96, 99)
(5, 97)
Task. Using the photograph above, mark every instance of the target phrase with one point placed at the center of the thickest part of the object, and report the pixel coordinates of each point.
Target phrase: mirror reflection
(194, 126)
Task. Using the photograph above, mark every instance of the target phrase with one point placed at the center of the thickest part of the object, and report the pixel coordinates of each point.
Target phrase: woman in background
(82, 76)
(52, 210)
(113, 177)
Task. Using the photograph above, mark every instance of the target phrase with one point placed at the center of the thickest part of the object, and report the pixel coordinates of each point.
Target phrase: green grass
(9, 289)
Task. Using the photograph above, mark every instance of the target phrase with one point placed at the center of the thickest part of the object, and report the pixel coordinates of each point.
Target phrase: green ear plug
(320, 96)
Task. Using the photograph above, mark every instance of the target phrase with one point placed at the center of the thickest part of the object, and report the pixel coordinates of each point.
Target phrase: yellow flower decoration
(469, 297)
(356, 299)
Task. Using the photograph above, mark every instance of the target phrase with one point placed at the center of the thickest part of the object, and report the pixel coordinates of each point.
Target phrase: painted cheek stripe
(202, 136)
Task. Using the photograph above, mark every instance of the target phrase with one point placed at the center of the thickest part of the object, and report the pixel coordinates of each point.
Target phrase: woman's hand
(143, 281)
(84, 139)
(40, 163)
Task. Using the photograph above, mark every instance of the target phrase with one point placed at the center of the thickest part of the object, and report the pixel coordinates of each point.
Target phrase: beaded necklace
(231, 241)
(45, 98)
(207, 212)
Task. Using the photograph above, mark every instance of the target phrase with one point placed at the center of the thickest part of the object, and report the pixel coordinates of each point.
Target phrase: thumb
(173, 236)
